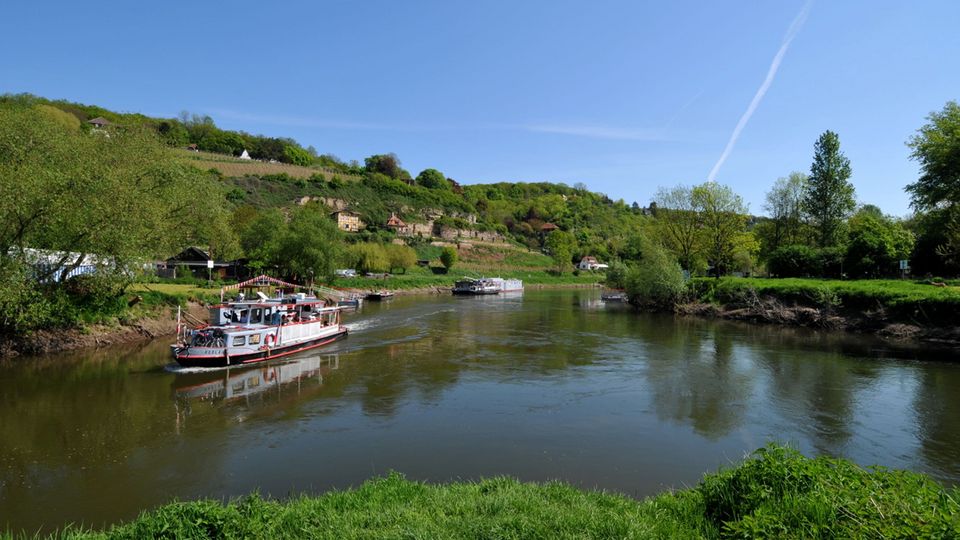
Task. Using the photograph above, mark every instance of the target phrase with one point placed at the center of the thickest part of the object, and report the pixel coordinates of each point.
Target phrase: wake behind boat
(244, 332)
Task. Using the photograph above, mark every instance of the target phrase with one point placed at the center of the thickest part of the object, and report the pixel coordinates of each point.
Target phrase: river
(543, 385)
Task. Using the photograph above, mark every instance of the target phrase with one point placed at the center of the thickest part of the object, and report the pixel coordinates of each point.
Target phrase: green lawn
(902, 299)
(777, 493)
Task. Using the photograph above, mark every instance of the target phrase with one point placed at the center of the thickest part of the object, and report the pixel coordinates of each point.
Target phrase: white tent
(245, 155)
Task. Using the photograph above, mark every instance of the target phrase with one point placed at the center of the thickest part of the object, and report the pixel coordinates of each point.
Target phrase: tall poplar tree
(829, 196)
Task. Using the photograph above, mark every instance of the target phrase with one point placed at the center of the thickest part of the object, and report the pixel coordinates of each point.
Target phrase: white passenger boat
(475, 286)
(247, 331)
(486, 285)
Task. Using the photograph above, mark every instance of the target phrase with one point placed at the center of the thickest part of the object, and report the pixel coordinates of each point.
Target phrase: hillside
(285, 175)
(232, 166)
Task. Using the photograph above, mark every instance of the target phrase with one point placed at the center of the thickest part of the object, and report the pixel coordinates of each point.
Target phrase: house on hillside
(347, 220)
(195, 261)
(398, 226)
(548, 228)
(590, 262)
(99, 122)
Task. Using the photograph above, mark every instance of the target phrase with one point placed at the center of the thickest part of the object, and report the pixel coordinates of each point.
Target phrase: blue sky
(622, 96)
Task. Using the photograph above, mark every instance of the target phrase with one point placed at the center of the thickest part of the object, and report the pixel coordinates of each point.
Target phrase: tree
(560, 246)
(829, 196)
(448, 257)
(369, 257)
(679, 223)
(63, 190)
(388, 164)
(875, 245)
(936, 147)
(297, 156)
(657, 280)
(401, 257)
(784, 205)
(310, 245)
(723, 218)
(432, 179)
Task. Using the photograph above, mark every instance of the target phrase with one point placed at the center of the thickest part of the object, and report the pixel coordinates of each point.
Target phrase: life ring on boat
(270, 340)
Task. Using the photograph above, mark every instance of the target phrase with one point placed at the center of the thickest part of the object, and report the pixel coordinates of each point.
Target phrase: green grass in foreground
(777, 493)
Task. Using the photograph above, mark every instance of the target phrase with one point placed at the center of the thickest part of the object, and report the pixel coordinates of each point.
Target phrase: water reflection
(550, 384)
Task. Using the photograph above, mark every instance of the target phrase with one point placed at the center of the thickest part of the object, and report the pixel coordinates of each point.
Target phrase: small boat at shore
(614, 296)
(350, 302)
(248, 331)
(377, 296)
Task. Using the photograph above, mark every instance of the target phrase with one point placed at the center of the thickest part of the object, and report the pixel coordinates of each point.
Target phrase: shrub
(657, 280)
(448, 257)
(793, 261)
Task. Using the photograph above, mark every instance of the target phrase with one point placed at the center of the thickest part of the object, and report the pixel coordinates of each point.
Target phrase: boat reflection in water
(248, 382)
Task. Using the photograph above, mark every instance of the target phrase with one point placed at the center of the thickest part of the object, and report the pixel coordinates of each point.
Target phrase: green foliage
(560, 246)
(297, 155)
(678, 224)
(875, 245)
(67, 121)
(936, 147)
(448, 257)
(778, 493)
(368, 258)
(400, 257)
(723, 218)
(903, 301)
(784, 205)
(385, 164)
(309, 246)
(829, 196)
(775, 493)
(657, 280)
(432, 179)
(794, 261)
(73, 192)
(616, 276)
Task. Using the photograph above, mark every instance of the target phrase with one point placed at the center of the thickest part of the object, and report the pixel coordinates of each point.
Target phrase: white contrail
(771, 73)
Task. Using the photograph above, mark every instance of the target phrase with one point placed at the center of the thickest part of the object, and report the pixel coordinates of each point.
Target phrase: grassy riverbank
(776, 493)
(899, 301)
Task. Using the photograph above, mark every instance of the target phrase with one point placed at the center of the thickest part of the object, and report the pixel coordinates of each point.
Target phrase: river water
(543, 385)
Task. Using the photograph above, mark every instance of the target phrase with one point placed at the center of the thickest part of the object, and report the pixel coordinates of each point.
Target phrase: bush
(657, 281)
(794, 261)
(448, 257)
(616, 275)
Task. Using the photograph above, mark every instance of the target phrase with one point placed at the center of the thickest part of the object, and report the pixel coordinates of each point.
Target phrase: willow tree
(829, 196)
(121, 196)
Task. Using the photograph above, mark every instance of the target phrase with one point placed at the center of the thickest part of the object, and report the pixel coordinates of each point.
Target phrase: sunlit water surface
(544, 385)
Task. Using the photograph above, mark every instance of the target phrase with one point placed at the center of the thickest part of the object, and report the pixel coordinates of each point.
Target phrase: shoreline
(46, 342)
(771, 312)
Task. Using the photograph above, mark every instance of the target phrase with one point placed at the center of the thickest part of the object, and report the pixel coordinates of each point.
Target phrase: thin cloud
(598, 132)
(771, 73)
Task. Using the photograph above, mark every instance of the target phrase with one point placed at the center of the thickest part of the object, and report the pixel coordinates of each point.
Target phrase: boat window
(256, 315)
(254, 339)
(244, 316)
(239, 340)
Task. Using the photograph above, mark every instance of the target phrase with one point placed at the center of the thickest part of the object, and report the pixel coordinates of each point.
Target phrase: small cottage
(347, 220)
